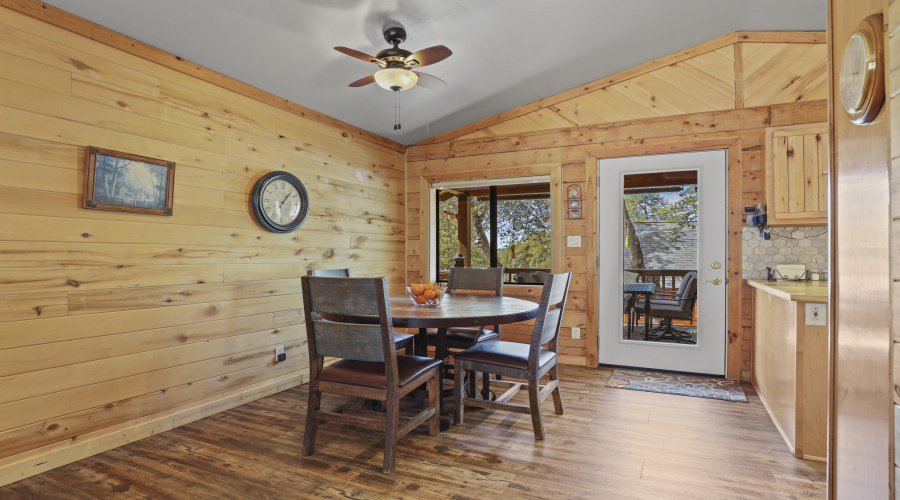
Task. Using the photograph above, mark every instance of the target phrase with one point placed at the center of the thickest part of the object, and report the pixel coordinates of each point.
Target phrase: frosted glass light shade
(396, 77)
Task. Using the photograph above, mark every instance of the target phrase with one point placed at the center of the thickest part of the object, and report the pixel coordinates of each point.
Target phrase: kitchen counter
(798, 291)
(790, 361)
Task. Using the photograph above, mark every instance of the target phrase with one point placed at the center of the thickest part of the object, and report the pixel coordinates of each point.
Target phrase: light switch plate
(815, 314)
(573, 241)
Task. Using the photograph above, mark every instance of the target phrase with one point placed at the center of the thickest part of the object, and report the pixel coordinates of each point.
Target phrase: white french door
(700, 342)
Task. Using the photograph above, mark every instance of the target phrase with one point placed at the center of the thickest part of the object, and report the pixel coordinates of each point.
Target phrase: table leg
(421, 343)
(646, 317)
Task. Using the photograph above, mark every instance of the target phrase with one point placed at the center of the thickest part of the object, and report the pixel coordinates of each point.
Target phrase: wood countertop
(799, 291)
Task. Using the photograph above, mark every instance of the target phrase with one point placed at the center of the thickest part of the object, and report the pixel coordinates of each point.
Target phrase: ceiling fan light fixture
(389, 78)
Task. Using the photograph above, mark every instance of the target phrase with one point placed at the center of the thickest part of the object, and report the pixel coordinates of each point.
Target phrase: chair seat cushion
(401, 338)
(464, 335)
(371, 373)
(506, 354)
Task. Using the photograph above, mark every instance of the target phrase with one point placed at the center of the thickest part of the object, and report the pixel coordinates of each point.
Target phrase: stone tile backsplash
(789, 245)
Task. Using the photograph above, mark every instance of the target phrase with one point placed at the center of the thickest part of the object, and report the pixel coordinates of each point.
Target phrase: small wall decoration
(573, 201)
(124, 182)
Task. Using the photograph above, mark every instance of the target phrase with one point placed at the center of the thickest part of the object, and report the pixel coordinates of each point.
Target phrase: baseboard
(55, 455)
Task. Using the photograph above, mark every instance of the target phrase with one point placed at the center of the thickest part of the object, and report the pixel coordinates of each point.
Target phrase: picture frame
(124, 182)
(575, 213)
(573, 191)
(574, 203)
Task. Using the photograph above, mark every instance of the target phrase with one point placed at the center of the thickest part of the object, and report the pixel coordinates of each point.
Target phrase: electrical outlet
(279, 354)
(576, 333)
(573, 241)
(816, 314)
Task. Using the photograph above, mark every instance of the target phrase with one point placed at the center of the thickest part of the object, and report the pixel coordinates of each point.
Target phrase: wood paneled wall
(860, 449)
(736, 86)
(115, 326)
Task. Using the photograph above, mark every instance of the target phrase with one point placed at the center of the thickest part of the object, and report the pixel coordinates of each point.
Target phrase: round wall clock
(862, 71)
(280, 202)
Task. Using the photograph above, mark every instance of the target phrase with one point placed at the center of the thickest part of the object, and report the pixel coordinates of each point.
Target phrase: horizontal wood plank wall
(737, 86)
(114, 326)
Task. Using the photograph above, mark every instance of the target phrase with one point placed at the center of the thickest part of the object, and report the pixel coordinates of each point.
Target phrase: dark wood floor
(610, 443)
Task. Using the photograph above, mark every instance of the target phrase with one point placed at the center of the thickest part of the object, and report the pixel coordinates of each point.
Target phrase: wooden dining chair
(402, 340)
(525, 361)
(475, 279)
(465, 278)
(370, 367)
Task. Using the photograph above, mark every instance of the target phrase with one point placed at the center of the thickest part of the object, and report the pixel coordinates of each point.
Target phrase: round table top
(461, 310)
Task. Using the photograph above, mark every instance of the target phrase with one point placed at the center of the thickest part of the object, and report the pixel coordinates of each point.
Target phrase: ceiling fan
(396, 64)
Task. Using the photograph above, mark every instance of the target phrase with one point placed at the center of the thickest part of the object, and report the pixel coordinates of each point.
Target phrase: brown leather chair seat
(371, 373)
(401, 339)
(506, 354)
(468, 335)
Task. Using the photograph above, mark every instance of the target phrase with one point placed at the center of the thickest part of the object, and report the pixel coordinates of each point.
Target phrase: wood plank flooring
(610, 443)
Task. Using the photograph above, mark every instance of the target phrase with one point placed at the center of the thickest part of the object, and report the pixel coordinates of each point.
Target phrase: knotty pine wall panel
(695, 94)
(110, 322)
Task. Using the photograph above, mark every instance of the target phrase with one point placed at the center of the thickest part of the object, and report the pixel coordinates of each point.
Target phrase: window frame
(556, 214)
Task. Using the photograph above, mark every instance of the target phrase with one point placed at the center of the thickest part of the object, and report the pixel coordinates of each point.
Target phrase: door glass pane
(659, 257)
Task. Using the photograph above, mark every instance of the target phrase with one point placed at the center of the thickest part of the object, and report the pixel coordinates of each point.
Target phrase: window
(490, 226)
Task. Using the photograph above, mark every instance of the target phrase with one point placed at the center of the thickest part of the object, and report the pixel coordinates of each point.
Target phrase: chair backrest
(685, 282)
(688, 297)
(332, 273)
(467, 278)
(550, 311)
(359, 324)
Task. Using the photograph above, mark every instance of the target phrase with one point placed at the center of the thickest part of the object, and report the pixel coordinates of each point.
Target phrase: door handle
(714, 281)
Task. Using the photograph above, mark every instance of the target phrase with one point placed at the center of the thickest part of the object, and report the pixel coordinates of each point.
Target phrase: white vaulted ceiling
(506, 53)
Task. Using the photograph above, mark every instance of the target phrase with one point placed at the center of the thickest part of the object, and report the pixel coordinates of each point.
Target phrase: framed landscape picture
(125, 182)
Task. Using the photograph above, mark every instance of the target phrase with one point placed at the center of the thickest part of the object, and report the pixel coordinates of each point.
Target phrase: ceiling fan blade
(428, 56)
(429, 81)
(363, 81)
(357, 54)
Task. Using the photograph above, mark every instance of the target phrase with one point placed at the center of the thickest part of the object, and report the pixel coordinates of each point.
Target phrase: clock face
(280, 202)
(854, 73)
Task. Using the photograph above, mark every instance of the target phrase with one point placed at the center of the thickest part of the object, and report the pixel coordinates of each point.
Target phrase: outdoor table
(647, 290)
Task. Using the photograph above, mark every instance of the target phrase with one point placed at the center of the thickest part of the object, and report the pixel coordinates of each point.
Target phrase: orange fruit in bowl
(437, 293)
(416, 289)
(420, 299)
(428, 286)
(428, 294)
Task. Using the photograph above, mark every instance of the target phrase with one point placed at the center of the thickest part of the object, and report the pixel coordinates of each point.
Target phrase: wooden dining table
(456, 310)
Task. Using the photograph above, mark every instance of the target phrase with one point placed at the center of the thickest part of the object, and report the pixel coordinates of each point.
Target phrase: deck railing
(666, 280)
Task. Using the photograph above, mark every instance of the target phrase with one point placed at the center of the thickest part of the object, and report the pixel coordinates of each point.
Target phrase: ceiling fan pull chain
(396, 107)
